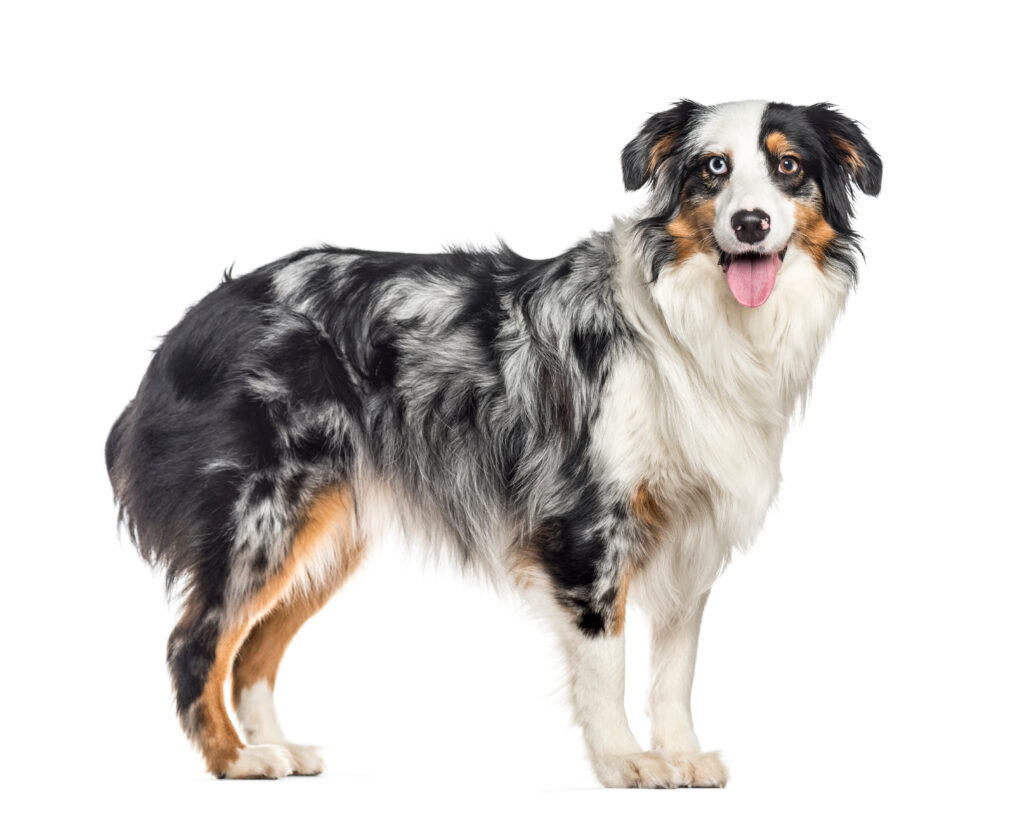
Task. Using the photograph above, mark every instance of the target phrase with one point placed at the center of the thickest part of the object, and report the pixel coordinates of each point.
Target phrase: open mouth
(751, 275)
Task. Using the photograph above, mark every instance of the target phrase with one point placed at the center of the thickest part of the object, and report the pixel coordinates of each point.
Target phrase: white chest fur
(698, 411)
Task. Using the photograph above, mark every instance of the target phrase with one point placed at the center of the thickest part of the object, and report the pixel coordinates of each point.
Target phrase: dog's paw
(266, 762)
(700, 770)
(641, 770)
(306, 760)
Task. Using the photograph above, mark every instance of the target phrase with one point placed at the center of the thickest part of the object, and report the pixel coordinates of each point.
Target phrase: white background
(864, 657)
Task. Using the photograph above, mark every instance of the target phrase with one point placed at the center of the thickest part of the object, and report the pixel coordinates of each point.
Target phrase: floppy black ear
(843, 139)
(661, 137)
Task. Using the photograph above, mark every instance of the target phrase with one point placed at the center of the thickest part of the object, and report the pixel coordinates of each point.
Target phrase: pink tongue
(751, 278)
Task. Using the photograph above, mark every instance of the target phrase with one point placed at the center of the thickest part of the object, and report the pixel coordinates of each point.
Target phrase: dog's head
(746, 181)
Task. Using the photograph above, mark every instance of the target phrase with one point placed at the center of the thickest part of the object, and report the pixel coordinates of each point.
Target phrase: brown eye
(788, 165)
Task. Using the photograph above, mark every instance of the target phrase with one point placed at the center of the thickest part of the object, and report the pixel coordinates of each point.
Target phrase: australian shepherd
(598, 427)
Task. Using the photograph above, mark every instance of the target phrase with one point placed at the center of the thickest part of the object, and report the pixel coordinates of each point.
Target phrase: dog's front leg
(578, 571)
(597, 678)
(673, 658)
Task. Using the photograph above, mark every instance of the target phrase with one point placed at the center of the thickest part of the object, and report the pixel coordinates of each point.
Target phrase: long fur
(607, 420)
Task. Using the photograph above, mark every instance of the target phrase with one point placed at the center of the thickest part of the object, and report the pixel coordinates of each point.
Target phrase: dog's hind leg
(203, 647)
(255, 668)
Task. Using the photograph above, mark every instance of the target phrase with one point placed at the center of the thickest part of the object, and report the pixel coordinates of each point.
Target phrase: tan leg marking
(260, 655)
(651, 516)
(331, 509)
(619, 611)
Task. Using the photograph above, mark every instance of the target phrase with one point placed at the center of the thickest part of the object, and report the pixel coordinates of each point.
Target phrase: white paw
(641, 770)
(260, 762)
(306, 760)
(703, 770)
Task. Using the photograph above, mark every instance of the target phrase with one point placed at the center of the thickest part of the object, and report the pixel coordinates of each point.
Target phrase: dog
(600, 425)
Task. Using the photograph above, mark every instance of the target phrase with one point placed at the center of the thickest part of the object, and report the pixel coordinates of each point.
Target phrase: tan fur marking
(260, 655)
(661, 149)
(777, 143)
(851, 156)
(218, 739)
(646, 509)
(523, 567)
(811, 232)
(692, 229)
(619, 611)
(651, 516)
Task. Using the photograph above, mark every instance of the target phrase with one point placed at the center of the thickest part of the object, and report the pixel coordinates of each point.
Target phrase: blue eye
(718, 166)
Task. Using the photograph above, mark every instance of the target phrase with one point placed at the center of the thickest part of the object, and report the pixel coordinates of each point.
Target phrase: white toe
(640, 770)
(701, 770)
(255, 762)
(306, 760)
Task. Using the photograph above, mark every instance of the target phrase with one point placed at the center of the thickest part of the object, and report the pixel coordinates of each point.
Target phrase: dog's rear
(181, 458)
(605, 420)
(292, 402)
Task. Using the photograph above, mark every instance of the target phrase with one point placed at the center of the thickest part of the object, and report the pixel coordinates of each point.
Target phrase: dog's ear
(846, 146)
(662, 137)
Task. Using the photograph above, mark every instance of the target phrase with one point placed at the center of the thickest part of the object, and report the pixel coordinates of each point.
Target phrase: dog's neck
(760, 359)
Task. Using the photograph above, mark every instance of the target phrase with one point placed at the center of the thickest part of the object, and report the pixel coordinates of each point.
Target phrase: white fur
(256, 715)
(701, 410)
(733, 129)
(596, 685)
(673, 658)
(597, 678)
(699, 413)
(267, 761)
(258, 719)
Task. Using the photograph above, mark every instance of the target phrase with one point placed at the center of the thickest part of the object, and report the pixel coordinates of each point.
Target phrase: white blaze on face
(734, 130)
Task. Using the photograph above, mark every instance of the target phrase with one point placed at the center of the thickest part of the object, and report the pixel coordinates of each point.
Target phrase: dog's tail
(113, 447)
(175, 517)
(117, 454)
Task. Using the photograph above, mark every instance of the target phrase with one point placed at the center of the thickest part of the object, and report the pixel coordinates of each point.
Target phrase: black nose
(751, 225)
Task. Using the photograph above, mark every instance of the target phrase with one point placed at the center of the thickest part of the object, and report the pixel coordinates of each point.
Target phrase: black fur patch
(467, 381)
(817, 132)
